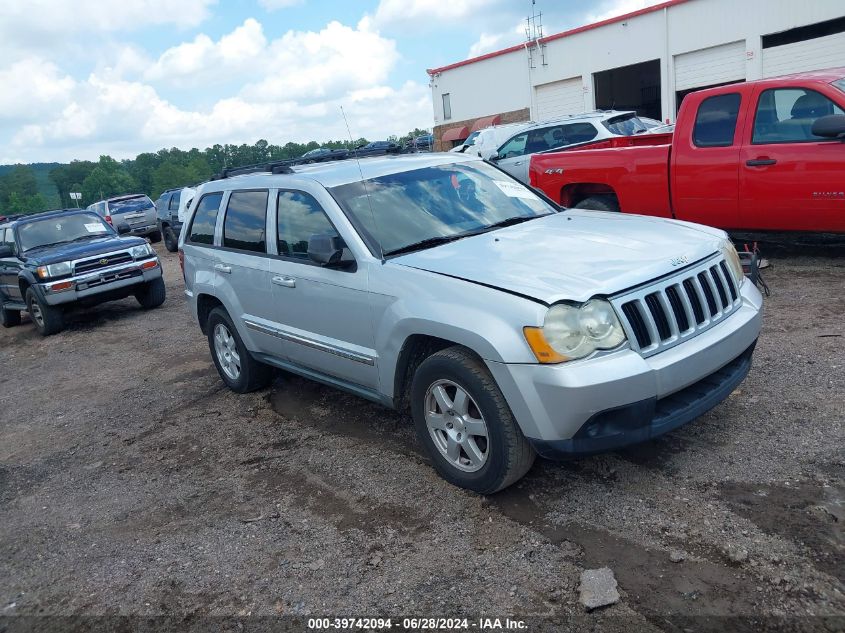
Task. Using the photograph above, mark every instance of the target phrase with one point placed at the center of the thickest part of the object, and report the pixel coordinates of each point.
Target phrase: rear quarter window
(715, 121)
(205, 218)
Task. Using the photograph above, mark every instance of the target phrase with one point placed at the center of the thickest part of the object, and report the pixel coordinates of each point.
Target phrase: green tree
(21, 181)
(67, 178)
(108, 178)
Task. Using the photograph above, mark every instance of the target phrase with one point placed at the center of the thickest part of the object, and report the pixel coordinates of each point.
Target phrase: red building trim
(557, 36)
(455, 134)
(486, 121)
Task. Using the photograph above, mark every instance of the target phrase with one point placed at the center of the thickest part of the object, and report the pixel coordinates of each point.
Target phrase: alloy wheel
(456, 426)
(227, 351)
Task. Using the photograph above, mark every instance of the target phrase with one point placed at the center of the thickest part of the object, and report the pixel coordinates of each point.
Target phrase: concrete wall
(506, 83)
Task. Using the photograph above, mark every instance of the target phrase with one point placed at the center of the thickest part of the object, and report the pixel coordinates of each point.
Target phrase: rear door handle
(287, 282)
(760, 162)
(223, 268)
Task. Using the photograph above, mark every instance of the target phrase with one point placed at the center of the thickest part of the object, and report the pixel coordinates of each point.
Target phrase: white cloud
(275, 5)
(31, 88)
(427, 14)
(615, 8)
(488, 42)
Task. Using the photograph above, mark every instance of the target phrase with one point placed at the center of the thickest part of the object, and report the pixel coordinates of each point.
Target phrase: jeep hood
(80, 250)
(573, 255)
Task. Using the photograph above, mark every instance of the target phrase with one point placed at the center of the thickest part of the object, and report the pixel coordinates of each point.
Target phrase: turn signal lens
(61, 285)
(538, 344)
(150, 264)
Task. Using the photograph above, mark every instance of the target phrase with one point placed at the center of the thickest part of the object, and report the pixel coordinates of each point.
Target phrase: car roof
(340, 172)
(128, 196)
(50, 214)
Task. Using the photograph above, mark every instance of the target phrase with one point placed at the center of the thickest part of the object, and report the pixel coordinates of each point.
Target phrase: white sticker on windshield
(95, 227)
(515, 190)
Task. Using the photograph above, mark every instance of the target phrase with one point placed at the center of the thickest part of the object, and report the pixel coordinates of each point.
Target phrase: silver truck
(438, 284)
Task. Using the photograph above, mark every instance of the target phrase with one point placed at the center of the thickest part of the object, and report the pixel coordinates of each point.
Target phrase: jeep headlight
(53, 270)
(139, 252)
(733, 261)
(570, 332)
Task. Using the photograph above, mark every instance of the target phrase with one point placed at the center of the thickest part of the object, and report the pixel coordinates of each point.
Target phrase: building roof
(557, 36)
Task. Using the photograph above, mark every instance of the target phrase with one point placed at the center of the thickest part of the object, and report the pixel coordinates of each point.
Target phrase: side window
(300, 216)
(9, 239)
(202, 227)
(576, 133)
(715, 121)
(243, 226)
(514, 147)
(786, 115)
(173, 205)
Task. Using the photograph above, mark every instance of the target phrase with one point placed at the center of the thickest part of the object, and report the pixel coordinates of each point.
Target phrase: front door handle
(287, 282)
(223, 268)
(760, 162)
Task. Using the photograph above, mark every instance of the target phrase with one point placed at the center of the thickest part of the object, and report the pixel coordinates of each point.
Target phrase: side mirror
(327, 250)
(831, 126)
(123, 228)
(6, 250)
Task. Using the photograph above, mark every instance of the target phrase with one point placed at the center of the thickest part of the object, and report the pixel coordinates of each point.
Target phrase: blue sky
(89, 77)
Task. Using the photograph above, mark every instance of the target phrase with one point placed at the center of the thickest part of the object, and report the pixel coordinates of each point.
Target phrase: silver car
(136, 211)
(438, 284)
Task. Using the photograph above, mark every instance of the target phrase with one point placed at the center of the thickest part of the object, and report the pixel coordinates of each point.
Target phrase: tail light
(108, 219)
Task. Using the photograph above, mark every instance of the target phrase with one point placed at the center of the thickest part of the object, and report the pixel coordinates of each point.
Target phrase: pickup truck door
(705, 155)
(322, 315)
(790, 179)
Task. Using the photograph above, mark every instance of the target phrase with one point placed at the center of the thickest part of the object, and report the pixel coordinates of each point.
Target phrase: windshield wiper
(517, 219)
(428, 243)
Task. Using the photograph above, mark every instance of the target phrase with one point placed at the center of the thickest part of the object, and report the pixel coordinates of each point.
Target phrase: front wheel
(236, 366)
(47, 319)
(155, 237)
(152, 294)
(599, 203)
(463, 420)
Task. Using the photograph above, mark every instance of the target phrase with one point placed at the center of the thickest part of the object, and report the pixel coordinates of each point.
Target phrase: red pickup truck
(764, 155)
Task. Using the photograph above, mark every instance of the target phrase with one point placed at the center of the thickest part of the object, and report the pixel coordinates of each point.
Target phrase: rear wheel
(171, 242)
(47, 319)
(10, 318)
(463, 420)
(152, 294)
(236, 366)
(599, 203)
(155, 237)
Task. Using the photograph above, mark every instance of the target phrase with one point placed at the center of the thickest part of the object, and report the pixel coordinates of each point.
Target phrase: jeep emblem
(677, 261)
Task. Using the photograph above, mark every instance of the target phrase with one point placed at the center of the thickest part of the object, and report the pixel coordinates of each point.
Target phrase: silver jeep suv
(438, 284)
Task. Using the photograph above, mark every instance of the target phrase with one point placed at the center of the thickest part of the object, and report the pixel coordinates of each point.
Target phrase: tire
(241, 373)
(599, 203)
(171, 242)
(155, 237)
(152, 295)
(48, 319)
(10, 318)
(483, 464)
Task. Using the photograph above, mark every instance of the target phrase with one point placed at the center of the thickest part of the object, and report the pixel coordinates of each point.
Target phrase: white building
(645, 61)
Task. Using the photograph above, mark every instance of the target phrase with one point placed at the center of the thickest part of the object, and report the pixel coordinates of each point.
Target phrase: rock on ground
(598, 588)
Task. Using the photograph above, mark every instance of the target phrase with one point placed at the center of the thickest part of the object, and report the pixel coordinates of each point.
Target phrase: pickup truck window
(300, 217)
(202, 227)
(786, 115)
(246, 216)
(715, 121)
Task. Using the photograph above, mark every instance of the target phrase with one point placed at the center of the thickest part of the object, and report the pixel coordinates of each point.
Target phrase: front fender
(26, 278)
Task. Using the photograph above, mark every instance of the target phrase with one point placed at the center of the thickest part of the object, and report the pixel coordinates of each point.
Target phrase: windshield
(470, 140)
(129, 205)
(626, 125)
(442, 201)
(61, 229)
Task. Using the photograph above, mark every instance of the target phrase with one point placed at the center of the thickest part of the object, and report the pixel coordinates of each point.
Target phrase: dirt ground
(133, 484)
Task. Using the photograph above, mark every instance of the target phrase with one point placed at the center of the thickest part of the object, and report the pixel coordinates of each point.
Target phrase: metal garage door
(815, 54)
(558, 98)
(710, 66)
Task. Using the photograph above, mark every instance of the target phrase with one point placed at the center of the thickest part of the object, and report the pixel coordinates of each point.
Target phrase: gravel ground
(133, 484)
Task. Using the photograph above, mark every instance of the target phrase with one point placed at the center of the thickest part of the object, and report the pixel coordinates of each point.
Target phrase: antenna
(363, 182)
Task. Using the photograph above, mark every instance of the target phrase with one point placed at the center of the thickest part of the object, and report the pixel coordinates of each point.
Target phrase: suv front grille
(101, 261)
(660, 315)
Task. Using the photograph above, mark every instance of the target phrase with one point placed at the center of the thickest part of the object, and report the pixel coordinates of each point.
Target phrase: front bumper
(103, 282)
(622, 398)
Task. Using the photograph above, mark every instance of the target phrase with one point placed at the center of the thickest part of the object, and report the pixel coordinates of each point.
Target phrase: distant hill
(42, 179)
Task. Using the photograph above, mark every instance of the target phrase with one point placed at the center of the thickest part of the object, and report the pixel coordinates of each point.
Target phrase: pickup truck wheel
(171, 242)
(463, 420)
(10, 318)
(47, 319)
(236, 366)
(152, 295)
(155, 237)
(599, 203)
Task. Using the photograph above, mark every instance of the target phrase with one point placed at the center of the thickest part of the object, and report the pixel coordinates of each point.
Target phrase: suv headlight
(53, 270)
(733, 261)
(139, 252)
(570, 332)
